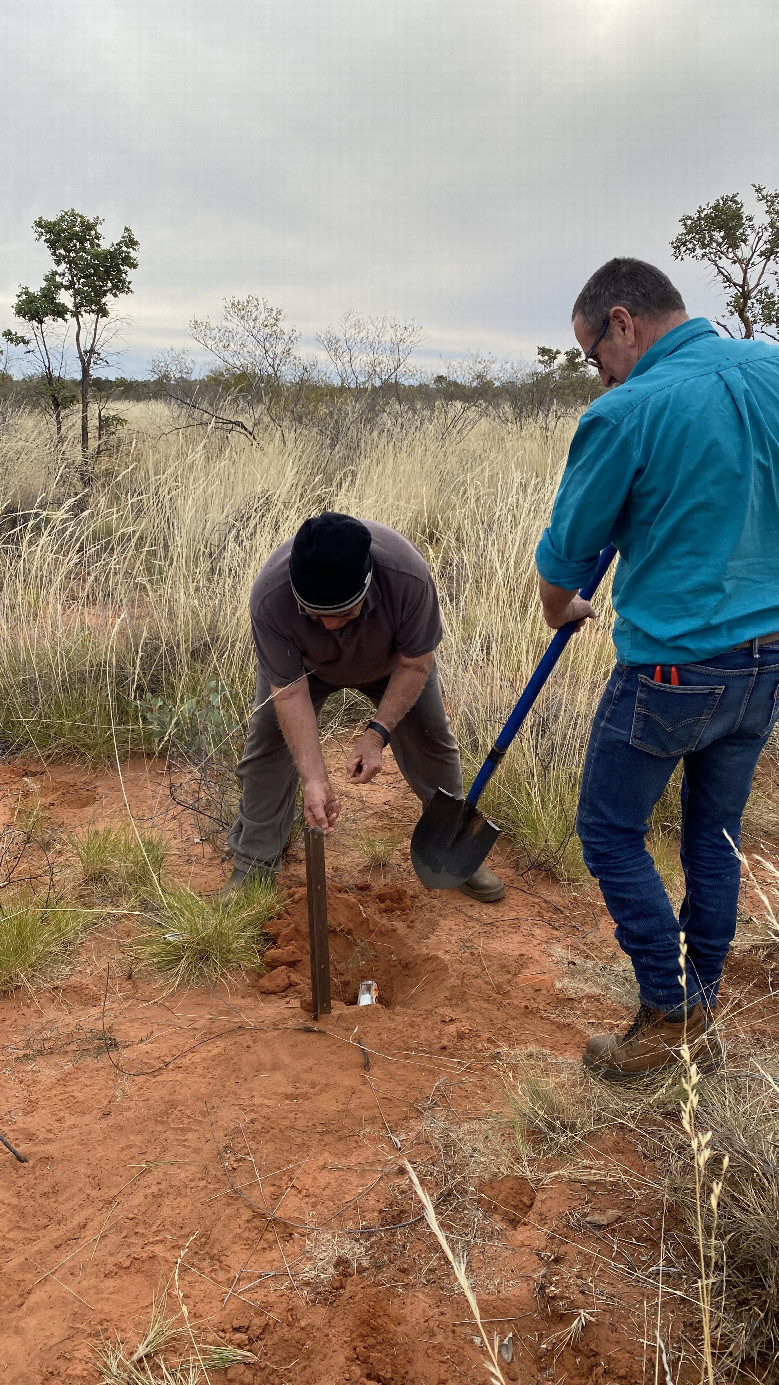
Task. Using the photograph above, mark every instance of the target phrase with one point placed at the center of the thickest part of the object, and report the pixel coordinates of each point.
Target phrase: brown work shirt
(400, 615)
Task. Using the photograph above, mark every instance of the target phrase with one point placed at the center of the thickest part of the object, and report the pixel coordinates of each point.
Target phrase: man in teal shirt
(678, 467)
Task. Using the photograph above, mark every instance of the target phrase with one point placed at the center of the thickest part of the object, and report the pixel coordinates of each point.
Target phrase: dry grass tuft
(126, 615)
(193, 939)
(37, 937)
(710, 1147)
(120, 866)
(734, 1210)
(119, 1363)
(379, 851)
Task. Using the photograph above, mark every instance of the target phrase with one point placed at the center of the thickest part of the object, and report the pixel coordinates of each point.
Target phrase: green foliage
(35, 938)
(14, 338)
(566, 363)
(193, 939)
(120, 865)
(193, 725)
(39, 308)
(88, 272)
(87, 275)
(744, 255)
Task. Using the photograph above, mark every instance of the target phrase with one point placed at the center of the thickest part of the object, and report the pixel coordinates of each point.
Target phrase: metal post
(317, 921)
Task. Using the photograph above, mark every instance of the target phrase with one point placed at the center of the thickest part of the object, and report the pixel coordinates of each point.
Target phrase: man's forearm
(554, 600)
(297, 719)
(561, 606)
(405, 684)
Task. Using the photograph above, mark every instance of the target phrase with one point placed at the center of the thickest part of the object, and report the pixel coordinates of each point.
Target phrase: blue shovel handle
(535, 685)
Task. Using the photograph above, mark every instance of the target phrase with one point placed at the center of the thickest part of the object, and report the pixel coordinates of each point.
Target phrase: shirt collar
(672, 341)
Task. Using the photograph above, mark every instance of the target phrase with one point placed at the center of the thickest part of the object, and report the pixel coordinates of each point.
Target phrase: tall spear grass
(139, 589)
(136, 593)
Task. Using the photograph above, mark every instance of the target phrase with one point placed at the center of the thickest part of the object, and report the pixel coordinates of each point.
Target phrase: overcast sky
(465, 163)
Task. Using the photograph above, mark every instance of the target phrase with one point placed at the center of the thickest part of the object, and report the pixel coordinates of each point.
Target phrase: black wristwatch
(382, 730)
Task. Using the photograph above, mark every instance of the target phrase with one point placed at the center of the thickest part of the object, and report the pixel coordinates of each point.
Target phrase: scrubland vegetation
(125, 608)
(125, 613)
(125, 629)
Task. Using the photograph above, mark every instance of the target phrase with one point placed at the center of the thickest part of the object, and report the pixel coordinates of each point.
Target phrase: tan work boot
(483, 885)
(654, 1042)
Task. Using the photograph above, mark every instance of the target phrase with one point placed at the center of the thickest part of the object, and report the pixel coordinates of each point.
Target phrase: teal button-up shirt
(678, 468)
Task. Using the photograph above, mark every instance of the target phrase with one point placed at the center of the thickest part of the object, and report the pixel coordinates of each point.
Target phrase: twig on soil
(21, 1157)
(237, 1293)
(458, 1266)
(311, 1226)
(227, 1003)
(286, 1265)
(243, 1269)
(405, 1056)
(489, 978)
(72, 1291)
(392, 1138)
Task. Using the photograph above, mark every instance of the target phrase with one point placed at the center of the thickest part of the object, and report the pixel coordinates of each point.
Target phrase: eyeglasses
(590, 356)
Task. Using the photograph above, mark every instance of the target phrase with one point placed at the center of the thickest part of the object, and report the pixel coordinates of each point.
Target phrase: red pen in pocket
(674, 676)
(658, 674)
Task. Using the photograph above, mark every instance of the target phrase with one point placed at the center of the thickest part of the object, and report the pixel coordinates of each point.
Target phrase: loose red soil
(164, 1129)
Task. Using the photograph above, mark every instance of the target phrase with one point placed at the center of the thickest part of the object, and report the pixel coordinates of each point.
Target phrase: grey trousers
(423, 745)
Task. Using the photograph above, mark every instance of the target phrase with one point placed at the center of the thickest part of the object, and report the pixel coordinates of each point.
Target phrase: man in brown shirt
(342, 605)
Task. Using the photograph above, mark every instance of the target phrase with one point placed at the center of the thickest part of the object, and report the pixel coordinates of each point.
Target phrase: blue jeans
(717, 721)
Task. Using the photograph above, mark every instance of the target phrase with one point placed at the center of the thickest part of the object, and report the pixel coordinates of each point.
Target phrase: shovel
(452, 838)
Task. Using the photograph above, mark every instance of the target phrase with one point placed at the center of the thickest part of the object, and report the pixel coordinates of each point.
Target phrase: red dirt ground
(166, 1129)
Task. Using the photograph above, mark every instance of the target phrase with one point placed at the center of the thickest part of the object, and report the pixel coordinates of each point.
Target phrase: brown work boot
(653, 1042)
(483, 885)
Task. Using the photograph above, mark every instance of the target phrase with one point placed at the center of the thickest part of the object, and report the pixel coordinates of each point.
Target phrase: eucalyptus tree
(88, 275)
(742, 249)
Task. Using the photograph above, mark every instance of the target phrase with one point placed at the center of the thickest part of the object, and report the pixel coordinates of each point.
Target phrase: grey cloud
(464, 164)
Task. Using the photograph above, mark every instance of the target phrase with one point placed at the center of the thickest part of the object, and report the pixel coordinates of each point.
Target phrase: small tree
(257, 352)
(87, 275)
(369, 353)
(370, 359)
(744, 255)
(47, 344)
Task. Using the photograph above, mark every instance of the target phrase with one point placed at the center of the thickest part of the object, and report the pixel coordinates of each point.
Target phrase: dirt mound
(373, 936)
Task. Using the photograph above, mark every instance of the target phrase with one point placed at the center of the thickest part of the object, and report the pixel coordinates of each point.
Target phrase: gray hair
(623, 283)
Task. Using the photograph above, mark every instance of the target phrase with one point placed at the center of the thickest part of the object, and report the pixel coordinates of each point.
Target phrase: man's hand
(577, 609)
(364, 763)
(320, 805)
(562, 606)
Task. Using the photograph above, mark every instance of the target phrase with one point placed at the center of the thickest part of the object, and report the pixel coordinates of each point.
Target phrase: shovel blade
(450, 841)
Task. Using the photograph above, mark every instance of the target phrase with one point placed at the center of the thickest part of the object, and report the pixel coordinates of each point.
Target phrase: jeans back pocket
(670, 720)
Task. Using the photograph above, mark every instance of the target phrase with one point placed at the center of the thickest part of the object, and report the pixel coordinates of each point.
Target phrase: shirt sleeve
(419, 629)
(279, 659)
(594, 487)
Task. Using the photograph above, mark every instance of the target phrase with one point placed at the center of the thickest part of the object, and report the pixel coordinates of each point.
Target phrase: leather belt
(760, 639)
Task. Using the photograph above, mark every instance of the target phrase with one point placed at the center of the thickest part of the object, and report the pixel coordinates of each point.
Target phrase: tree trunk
(86, 469)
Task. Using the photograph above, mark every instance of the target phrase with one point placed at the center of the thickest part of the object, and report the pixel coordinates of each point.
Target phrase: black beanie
(330, 563)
